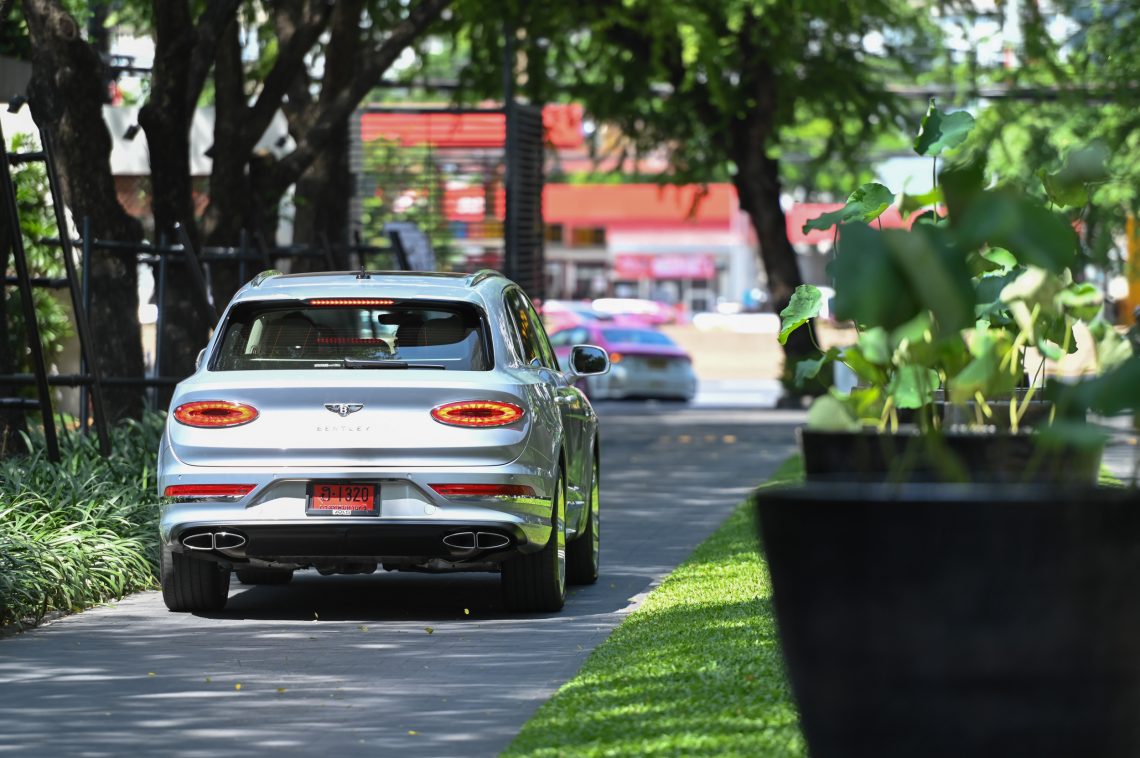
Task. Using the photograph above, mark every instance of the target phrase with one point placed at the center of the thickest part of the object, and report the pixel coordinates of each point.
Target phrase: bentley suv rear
(347, 432)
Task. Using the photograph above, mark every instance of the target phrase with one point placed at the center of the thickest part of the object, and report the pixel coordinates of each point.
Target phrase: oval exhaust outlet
(201, 541)
(460, 541)
(491, 540)
(228, 541)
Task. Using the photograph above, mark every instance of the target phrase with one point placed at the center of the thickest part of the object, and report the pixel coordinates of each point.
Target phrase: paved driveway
(388, 664)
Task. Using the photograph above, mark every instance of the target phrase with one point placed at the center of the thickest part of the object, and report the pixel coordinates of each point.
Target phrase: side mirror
(198, 360)
(589, 360)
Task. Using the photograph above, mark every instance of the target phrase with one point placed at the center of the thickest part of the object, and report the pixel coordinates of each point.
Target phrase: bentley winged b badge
(343, 409)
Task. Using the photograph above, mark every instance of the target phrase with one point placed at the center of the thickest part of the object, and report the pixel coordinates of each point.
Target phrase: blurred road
(388, 664)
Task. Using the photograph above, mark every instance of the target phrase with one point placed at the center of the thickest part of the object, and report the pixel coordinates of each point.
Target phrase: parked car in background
(409, 421)
(643, 362)
(646, 312)
(560, 314)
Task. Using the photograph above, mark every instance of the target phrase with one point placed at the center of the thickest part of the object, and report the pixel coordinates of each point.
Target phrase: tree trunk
(323, 192)
(757, 182)
(166, 118)
(66, 94)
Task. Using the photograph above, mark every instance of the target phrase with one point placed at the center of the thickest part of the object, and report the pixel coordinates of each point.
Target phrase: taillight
(361, 301)
(477, 413)
(208, 490)
(484, 490)
(616, 357)
(214, 414)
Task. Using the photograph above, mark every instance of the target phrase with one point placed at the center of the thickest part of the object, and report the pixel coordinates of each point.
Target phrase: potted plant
(994, 614)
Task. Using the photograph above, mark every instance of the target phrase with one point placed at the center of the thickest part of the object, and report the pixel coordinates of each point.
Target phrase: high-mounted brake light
(214, 414)
(477, 413)
(484, 490)
(208, 490)
(335, 301)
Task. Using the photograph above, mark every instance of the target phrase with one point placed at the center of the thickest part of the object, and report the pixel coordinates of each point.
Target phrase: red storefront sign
(666, 266)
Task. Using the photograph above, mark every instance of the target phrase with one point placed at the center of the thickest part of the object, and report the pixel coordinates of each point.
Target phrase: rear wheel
(264, 576)
(537, 581)
(583, 555)
(190, 584)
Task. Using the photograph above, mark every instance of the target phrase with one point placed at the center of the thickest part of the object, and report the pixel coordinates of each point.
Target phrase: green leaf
(1069, 186)
(864, 204)
(871, 199)
(874, 344)
(1082, 301)
(911, 203)
(805, 305)
(1030, 233)
(867, 371)
(1064, 195)
(829, 413)
(942, 131)
(1112, 348)
(809, 368)
(913, 386)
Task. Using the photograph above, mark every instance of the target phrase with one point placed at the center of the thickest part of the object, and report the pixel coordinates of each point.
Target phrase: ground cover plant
(79, 532)
(696, 670)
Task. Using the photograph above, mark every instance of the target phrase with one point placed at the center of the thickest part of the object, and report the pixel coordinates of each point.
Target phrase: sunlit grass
(696, 670)
(79, 532)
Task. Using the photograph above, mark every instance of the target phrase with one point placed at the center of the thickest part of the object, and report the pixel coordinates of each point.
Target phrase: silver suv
(410, 421)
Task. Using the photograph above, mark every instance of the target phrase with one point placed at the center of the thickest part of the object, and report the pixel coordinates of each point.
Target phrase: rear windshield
(303, 336)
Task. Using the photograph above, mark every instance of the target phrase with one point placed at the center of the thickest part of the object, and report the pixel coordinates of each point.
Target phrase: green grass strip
(696, 670)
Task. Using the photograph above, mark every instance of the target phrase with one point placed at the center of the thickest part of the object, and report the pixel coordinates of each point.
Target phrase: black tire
(536, 582)
(190, 584)
(264, 576)
(583, 554)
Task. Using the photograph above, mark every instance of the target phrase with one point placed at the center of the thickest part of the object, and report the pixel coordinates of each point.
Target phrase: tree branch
(218, 15)
(294, 44)
(333, 111)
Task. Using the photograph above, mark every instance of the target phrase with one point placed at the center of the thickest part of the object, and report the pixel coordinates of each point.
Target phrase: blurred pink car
(643, 362)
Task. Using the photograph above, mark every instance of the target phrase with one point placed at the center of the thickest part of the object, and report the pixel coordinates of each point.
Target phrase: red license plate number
(342, 499)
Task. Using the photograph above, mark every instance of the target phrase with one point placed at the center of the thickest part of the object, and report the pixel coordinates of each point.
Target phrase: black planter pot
(966, 456)
(942, 620)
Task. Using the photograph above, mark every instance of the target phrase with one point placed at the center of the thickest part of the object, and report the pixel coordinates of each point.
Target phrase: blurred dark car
(643, 362)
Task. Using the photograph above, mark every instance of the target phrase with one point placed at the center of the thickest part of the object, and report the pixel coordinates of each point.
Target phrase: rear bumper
(374, 541)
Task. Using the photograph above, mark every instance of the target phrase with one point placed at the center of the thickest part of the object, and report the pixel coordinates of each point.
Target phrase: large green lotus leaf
(936, 271)
(962, 185)
(908, 204)
(809, 368)
(942, 131)
(990, 260)
(868, 371)
(866, 403)
(872, 199)
(988, 289)
(1034, 286)
(875, 345)
(870, 288)
(1082, 301)
(1032, 234)
(829, 413)
(1112, 348)
(913, 386)
(805, 305)
(865, 204)
(984, 373)
(1064, 195)
(914, 331)
(1115, 392)
(1084, 166)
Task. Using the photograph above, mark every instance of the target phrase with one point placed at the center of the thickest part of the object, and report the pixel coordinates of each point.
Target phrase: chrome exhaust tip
(491, 540)
(228, 541)
(200, 541)
(460, 541)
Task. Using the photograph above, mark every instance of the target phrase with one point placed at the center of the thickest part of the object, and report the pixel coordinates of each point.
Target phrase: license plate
(658, 363)
(342, 499)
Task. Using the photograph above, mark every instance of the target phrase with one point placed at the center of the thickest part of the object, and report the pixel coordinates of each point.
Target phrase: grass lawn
(696, 670)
